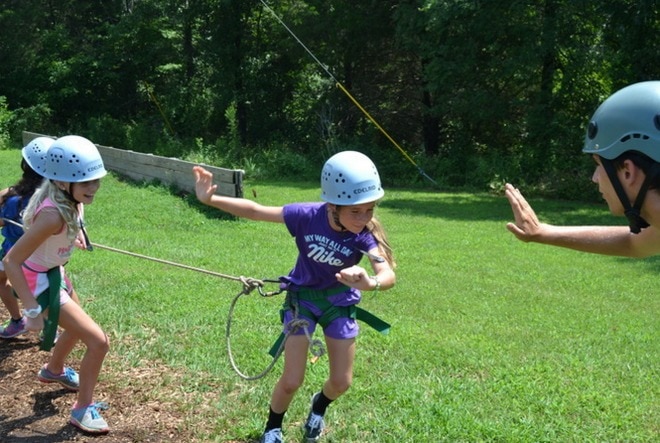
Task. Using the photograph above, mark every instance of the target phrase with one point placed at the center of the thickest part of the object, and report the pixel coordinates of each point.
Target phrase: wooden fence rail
(169, 171)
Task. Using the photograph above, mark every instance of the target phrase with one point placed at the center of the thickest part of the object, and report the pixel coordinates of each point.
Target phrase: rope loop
(316, 348)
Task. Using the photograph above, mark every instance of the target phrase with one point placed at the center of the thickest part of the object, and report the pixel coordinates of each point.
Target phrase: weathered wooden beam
(170, 171)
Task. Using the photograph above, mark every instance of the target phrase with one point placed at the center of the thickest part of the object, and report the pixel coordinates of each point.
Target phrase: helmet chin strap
(635, 219)
(335, 218)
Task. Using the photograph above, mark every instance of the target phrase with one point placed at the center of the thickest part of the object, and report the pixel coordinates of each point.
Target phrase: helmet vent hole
(635, 136)
(656, 121)
(592, 130)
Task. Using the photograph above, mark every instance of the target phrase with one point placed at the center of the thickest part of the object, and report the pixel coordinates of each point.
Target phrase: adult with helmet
(35, 266)
(13, 201)
(326, 282)
(623, 137)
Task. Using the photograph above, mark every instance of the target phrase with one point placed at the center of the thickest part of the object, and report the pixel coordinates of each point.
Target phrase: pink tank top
(55, 251)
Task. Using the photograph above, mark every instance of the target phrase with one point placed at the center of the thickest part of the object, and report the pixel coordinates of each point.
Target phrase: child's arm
(358, 277)
(46, 224)
(240, 207)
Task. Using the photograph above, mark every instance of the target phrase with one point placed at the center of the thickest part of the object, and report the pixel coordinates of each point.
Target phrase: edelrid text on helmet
(73, 159)
(629, 120)
(34, 153)
(350, 178)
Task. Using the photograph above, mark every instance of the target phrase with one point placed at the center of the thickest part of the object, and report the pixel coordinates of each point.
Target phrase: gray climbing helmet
(350, 178)
(629, 120)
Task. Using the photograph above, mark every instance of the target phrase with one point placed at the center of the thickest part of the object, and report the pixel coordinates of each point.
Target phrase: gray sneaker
(13, 329)
(89, 420)
(314, 425)
(68, 378)
(272, 436)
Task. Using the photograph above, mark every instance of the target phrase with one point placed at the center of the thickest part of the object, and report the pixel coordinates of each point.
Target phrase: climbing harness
(329, 311)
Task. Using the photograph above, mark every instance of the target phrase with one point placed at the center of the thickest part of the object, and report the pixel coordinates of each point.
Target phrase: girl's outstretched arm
(240, 207)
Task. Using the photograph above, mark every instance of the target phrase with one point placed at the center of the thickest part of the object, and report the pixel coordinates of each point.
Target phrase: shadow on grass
(652, 264)
(444, 205)
(482, 207)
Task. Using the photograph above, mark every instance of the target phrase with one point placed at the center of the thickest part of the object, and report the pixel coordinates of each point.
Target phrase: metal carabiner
(269, 293)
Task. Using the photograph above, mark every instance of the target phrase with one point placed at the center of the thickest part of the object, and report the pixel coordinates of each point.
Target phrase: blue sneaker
(68, 378)
(13, 328)
(314, 424)
(89, 420)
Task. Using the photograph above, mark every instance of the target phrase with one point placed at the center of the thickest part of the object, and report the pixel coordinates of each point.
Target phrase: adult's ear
(631, 172)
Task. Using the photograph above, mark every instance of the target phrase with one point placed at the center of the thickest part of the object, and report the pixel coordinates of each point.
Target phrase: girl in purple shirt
(326, 282)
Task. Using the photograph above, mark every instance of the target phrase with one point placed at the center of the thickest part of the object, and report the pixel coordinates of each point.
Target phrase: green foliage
(5, 118)
(475, 92)
(38, 118)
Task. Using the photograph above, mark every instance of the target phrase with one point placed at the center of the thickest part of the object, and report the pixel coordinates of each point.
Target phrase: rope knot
(250, 284)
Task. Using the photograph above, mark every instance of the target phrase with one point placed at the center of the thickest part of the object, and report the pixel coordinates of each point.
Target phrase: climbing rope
(316, 347)
(348, 94)
(249, 285)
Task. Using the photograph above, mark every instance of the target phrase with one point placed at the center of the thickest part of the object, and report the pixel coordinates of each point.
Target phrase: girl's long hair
(26, 185)
(376, 228)
(64, 205)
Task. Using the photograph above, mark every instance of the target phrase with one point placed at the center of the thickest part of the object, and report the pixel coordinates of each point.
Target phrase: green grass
(492, 340)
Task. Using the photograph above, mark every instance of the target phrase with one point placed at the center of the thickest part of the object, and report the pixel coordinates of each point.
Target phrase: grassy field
(492, 339)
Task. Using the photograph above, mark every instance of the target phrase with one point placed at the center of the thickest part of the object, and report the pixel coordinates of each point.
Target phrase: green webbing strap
(377, 323)
(276, 345)
(50, 300)
(333, 312)
(319, 294)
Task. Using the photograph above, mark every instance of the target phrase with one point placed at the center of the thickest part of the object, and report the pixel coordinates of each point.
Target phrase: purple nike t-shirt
(322, 251)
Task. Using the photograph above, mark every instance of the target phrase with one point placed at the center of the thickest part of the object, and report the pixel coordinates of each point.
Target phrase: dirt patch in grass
(145, 405)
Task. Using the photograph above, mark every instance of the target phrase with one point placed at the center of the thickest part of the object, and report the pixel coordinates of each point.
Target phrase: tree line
(473, 92)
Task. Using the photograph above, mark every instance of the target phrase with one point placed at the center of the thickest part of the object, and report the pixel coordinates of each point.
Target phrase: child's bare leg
(80, 326)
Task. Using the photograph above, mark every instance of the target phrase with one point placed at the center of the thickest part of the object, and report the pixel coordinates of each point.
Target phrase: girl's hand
(204, 187)
(355, 277)
(35, 324)
(79, 242)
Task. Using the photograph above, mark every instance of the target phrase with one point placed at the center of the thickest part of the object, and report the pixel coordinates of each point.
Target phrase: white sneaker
(272, 436)
(89, 420)
(314, 424)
